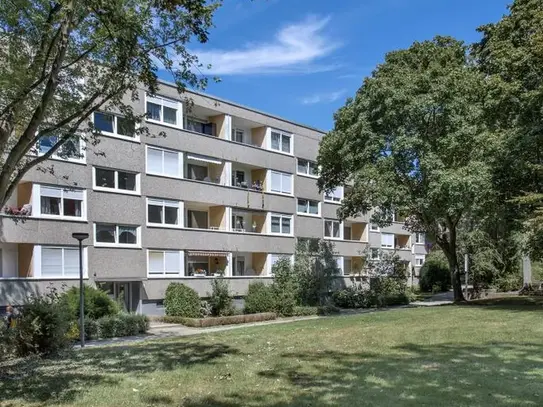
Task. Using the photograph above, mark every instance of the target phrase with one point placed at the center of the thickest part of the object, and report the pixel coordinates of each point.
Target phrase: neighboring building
(226, 189)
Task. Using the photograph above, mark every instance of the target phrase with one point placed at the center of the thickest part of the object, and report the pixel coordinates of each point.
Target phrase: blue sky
(300, 59)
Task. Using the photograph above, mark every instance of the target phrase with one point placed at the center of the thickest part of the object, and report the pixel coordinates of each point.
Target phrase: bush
(305, 311)
(351, 297)
(214, 321)
(122, 325)
(328, 309)
(97, 303)
(219, 299)
(182, 301)
(285, 287)
(42, 326)
(260, 298)
(509, 282)
(435, 273)
(205, 309)
(92, 329)
(6, 341)
(73, 331)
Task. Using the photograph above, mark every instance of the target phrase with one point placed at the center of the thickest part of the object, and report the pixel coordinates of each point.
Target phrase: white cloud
(295, 49)
(327, 97)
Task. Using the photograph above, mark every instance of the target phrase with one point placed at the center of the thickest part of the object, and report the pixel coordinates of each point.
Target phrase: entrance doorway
(126, 294)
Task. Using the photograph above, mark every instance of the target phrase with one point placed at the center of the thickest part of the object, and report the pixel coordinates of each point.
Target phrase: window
(281, 141)
(419, 261)
(238, 179)
(164, 262)
(237, 135)
(197, 172)
(115, 125)
(117, 180)
(163, 212)
(332, 229)
(347, 265)
(281, 224)
(106, 234)
(419, 238)
(281, 182)
(374, 253)
(59, 262)
(72, 149)
(199, 126)
(347, 232)
(59, 202)
(164, 110)
(335, 195)
(308, 206)
(374, 227)
(306, 167)
(238, 223)
(163, 162)
(387, 240)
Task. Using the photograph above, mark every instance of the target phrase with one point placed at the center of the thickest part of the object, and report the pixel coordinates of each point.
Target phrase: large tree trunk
(455, 277)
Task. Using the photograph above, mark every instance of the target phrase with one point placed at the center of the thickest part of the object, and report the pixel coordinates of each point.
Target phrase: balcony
(206, 263)
(355, 231)
(248, 132)
(402, 242)
(247, 264)
(205, 169)
(204, 216)
(246, 221)
(248, 177)
(354, 265)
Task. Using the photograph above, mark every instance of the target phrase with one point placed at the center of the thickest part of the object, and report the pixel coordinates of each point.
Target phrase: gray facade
(238, 197)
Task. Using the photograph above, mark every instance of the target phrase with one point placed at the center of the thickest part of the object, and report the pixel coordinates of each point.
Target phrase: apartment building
(217, 189)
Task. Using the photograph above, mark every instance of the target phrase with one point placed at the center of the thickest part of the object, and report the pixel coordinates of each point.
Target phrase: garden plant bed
(216, 321)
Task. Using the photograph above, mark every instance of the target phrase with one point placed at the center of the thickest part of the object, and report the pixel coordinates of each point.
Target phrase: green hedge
(305, 311)
(260, 298)
(98, 304)
(111, 326)
(215, 321)
(182, 301)
(434, 273)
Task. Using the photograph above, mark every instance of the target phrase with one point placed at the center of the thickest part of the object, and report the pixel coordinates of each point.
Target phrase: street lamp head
(80, 236)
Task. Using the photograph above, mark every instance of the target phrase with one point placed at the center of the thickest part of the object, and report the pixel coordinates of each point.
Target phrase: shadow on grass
(511, 303)
(59, 380)
(413, 375)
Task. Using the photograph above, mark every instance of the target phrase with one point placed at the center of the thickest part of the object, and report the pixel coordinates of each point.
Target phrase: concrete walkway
(159, 330)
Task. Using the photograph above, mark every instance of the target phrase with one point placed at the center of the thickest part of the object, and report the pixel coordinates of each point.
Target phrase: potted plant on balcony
(200, 273)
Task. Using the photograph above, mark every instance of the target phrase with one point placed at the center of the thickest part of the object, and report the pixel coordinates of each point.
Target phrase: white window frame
(164, 273)
(341, 191)
(281, 135)
(306, 173)
(420, 238)
(136, 245)
(135, 139)
(340, 229)
(116, 189)
(372, 225)
(281, 216)
(233, 133)
(79, 160)
(36, 203)
(179, 163)
(387, 235)
(282, 174)
(313, 215)
(169, 203)
(37, 263)
(159, 100)
(420, 257)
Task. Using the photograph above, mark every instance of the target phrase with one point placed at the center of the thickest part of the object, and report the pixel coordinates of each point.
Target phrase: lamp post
(80, 237)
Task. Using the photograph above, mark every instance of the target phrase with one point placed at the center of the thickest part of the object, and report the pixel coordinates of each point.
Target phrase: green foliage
(119, 325)
(305, 311)
(260, 298)
(215, 321)
(60, 61)
(315, 268)
(220, 300)
(182, 301)
(435, 273)
(351, 297)
(509, 282)
(6, 342)
(328, 309)
(285, 287)
(92, 329)
(97, 303)
(42, 326)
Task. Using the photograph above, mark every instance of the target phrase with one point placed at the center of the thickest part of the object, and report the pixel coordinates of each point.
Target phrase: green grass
(443, 356)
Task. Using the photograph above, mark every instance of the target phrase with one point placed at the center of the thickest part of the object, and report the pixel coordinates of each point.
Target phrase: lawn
(442, 356)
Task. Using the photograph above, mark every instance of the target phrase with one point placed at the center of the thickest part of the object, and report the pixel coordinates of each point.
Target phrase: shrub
(214, 321)
(328, 309)
(285, 287)
(97, 303)
(92, 329)
(73, 331)
(350, 297)
(435, 272)
(305, 311)
(219, 299)
(182, 301)
(122, 325)
(6, 341)
(260, 298)
(42, 326)
(205, 309)
(509, 282)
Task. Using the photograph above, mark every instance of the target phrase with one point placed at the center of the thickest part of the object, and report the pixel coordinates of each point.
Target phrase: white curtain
(387, 240)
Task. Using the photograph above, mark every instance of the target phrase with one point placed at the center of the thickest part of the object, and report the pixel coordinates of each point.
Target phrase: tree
(510, 55)
(412, 140)
(61, 60)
